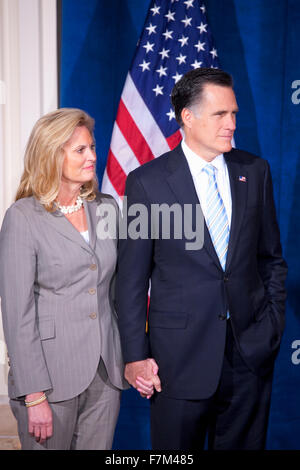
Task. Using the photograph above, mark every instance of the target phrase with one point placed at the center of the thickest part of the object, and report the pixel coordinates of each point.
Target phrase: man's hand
(143, 375)
(39, 419)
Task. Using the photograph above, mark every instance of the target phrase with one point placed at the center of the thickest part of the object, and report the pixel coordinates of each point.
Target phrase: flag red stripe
(116, 174)
(133, 135)
(174, 139)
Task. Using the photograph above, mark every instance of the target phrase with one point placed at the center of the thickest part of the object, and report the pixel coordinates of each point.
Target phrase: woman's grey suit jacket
(56, 301)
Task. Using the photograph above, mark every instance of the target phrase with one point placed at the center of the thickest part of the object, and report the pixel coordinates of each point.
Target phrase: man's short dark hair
(189, 89)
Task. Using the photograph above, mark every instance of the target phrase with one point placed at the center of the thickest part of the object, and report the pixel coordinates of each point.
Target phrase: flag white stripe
(147, 125)
(108, 188)
(122, 151)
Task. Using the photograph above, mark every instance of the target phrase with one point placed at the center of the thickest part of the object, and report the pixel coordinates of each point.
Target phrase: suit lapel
(180, 179)
(62, 225)
(239, 190)
(181, 182)
(90, 210)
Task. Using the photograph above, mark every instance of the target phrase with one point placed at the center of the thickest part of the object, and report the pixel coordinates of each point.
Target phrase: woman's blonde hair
(44, 156)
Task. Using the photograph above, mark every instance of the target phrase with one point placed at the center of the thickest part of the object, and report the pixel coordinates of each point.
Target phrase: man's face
(209, 126)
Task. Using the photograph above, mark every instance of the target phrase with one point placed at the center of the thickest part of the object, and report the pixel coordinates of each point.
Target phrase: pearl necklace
(71, 209)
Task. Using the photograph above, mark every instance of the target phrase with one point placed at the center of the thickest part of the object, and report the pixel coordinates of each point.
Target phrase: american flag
(175, 39)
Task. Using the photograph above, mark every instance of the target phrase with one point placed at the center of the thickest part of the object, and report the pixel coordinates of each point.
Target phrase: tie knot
(209, 169)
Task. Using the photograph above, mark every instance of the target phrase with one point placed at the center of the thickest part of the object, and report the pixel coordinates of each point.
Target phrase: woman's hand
(39, 418)
(143, 375)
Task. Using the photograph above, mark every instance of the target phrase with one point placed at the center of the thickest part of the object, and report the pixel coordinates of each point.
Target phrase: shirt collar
(197, 163)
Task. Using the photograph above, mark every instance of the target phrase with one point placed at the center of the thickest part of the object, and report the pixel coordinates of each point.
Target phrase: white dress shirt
(200, 178)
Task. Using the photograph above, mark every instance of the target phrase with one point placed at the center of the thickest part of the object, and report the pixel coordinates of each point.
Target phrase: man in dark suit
(216, 312)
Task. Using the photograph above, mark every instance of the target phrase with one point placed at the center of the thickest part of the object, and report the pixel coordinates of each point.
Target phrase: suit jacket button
(226, 279)
(222, 317)
(93, 315)
(92, 291)
(93, 267)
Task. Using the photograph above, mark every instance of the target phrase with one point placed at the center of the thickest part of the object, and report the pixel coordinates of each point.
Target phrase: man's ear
(187, 117)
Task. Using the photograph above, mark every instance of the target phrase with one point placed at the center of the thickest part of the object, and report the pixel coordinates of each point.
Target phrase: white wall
(28, 89)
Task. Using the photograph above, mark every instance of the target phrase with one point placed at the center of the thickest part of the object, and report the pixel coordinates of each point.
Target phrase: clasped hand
(143, 376)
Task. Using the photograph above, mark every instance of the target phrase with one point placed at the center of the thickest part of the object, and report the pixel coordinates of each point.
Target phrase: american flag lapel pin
(243, 179)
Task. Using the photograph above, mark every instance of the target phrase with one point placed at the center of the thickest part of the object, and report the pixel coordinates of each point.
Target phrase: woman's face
(79, 164)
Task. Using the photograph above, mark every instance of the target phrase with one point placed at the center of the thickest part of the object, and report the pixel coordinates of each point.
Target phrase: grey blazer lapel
(62, 225)
(90, 210)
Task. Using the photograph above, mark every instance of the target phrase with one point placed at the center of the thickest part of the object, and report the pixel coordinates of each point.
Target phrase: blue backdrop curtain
(258, 43)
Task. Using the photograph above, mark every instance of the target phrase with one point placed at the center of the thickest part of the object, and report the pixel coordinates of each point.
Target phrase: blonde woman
(66, 369)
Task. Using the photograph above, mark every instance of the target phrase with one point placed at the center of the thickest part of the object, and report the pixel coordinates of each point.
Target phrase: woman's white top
(86, 236)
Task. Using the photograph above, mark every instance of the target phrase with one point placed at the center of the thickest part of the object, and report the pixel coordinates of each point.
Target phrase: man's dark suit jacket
(190, 293)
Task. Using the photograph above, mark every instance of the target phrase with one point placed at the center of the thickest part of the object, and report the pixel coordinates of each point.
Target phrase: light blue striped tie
(216, 217)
